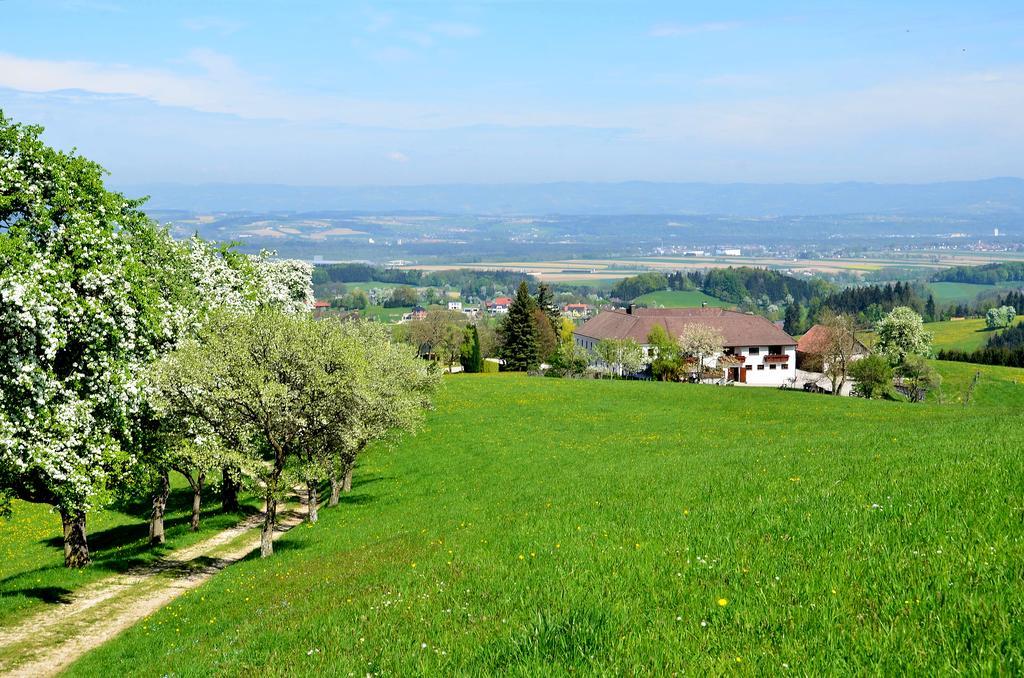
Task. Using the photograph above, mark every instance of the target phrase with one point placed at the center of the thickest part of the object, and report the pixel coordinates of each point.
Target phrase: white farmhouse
(762, 353)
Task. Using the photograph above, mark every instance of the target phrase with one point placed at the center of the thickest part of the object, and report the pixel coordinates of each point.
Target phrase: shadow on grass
(47, 594)
(119, 549)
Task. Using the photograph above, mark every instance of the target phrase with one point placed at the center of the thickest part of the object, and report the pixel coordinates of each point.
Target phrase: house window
(774, 350)
(753, 350)
(760, 367)
(772, 366)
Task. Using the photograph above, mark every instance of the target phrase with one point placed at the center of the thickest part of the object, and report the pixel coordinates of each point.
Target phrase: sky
(336, 93)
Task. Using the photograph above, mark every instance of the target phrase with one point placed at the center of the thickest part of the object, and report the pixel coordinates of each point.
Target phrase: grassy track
(543, 526)
(32, 572)
(680, 299)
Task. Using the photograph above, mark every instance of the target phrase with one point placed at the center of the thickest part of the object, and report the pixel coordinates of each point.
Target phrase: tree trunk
(269, 520)
(311, 513)
(197, 498)
(76, 547)
(346, 482)
(156, 519)
(335, 489)
(229, 492)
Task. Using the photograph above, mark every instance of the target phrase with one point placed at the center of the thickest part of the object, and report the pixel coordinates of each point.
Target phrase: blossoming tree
(80, 314)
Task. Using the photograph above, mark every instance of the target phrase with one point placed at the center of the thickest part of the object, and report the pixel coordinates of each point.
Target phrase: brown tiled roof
(816, 341)
(738, 329)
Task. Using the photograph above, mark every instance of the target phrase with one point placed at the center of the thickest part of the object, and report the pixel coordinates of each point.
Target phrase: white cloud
(679, 30)
(452, 29)
(984, 104)
(212, 23)
(398, 156)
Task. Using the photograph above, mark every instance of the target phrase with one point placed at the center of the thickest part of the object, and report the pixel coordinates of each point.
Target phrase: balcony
(777, 358)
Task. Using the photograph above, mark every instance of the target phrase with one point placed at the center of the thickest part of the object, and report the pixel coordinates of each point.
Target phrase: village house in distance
(763, 354)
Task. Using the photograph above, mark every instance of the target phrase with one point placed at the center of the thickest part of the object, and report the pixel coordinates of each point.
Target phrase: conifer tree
(519, 333)
(793, 318)
(472, 358)
(546, 303)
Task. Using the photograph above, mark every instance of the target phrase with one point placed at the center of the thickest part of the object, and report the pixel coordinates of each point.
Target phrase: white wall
(768, 376)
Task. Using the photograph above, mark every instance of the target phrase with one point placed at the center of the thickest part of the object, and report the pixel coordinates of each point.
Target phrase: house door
(743, 375)
(734, 374)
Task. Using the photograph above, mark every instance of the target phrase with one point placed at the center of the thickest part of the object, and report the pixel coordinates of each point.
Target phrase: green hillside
(947, 293)
(542, 526)
(680, 299)
(964, 335)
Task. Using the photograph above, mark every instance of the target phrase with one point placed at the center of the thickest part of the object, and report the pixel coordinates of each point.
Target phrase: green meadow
(965, 335)
(947, 293)
(680, 299)
(540, 526)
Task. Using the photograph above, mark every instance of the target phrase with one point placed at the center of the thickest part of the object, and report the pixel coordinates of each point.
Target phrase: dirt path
(48, 642)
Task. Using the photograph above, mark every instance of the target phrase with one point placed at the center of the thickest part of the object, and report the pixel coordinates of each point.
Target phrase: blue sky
(335, 93)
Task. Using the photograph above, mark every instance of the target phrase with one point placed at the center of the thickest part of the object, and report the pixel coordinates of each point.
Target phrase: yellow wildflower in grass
(722, 602)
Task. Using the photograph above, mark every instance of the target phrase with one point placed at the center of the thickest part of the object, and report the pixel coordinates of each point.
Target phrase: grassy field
(680, 299)
(32, 572)
(541, 526)
(965, 335)
(947, 293)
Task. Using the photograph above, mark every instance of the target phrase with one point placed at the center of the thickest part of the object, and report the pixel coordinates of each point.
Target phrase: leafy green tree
(356, 300)
(285, 381)
(547, 339)
(570, 361)
(873, 376)
(518, 333)
(622, 356)
(403, 296)
(440, 333)
(667, 364)
(918, 377)
(900, 334)
(395, 387)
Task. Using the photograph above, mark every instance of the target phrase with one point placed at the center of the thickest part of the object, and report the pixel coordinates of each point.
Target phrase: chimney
(629, 310)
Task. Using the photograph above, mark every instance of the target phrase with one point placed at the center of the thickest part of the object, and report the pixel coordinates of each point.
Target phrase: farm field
(680, 299)
(567, 270)
(32, 572)
(541, 526)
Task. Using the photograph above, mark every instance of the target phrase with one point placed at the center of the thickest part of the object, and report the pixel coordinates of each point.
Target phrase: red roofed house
(499, 305)
(575, 310)
(762, 353)
(814, 344)
(320, 307)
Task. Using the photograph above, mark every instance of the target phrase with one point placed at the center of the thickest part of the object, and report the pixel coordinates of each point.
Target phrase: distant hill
(1001, 196)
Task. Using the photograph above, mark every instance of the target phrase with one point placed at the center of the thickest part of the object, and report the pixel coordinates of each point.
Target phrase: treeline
(986, 274)
(468, 282)
(736, 285)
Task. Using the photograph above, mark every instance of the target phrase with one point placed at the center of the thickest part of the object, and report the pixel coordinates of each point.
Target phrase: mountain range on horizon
(996, 196)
